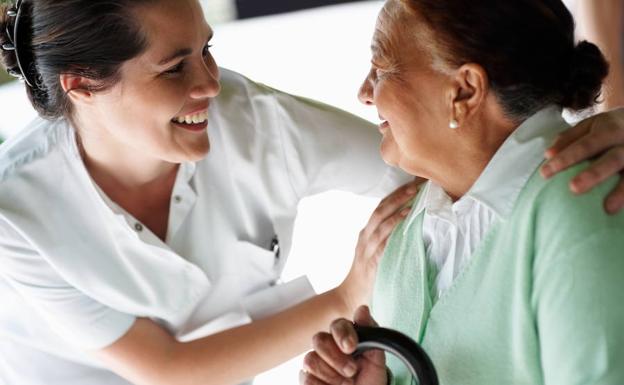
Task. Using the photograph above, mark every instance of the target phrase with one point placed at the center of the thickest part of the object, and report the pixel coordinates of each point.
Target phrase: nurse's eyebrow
(183, 52)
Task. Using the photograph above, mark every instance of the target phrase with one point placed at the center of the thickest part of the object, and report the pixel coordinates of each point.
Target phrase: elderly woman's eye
(379, 73)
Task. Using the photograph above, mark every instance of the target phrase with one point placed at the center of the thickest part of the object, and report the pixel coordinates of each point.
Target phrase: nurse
(145, 221)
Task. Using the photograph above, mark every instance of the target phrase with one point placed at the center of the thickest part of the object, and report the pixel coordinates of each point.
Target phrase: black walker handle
(403, 347)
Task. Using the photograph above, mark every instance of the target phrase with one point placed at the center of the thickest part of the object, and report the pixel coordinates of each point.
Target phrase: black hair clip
(12, 45)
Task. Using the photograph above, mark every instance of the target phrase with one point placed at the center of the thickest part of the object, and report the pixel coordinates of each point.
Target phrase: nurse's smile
(195, 121)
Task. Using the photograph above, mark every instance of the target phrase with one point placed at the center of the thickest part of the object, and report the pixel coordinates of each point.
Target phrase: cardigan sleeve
(578, 286)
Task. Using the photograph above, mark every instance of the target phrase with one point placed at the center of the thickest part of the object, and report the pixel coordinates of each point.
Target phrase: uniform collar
(502, 180)
(184, 196)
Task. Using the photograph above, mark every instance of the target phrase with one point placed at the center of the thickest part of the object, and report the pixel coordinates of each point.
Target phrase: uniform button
(138, 227)
(177, 199)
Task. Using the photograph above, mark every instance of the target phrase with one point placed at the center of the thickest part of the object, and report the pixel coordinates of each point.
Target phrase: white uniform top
(75, 269)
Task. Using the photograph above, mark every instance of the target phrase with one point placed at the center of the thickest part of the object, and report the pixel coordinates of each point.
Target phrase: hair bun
(588, 69)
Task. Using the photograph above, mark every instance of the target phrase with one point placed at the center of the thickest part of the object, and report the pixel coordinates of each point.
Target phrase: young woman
(153, 207)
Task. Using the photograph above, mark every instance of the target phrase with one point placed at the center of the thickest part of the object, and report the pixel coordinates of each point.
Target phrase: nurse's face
(408, 91)
(160, 106)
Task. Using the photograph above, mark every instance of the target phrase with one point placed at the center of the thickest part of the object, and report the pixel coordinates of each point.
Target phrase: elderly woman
(503, 277)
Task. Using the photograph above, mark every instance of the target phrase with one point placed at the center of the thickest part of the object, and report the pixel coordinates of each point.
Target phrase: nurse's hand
(601, 136)
(331, 363)
(357, 287)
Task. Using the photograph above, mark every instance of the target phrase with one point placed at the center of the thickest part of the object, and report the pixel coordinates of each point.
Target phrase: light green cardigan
(541, 300)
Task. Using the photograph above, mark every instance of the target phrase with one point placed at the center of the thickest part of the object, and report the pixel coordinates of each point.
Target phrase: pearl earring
(454, 124)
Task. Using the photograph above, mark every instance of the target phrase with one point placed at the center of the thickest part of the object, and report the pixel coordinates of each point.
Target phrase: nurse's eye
(178, 68)
(206, 50)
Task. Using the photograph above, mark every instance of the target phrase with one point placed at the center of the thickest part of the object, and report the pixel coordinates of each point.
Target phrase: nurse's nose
(365, 94)
(207, 82)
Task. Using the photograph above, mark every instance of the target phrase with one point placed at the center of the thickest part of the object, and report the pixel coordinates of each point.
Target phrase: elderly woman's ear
(467, 94)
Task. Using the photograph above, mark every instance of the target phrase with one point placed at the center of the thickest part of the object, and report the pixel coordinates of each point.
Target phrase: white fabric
(452, 231)
(75, 269)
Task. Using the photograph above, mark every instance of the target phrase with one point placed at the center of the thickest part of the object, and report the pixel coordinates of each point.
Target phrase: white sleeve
(74, 316)
(329, 149)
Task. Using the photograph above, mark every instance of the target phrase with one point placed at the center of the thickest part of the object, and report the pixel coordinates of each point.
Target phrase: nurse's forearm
(149, 355)
(602, 22)
(246, 351)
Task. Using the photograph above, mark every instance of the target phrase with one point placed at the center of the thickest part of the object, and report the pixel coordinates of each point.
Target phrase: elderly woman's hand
(602, 135)
(331, 363)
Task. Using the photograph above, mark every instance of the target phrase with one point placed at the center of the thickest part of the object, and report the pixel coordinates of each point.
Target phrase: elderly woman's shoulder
(555, 205)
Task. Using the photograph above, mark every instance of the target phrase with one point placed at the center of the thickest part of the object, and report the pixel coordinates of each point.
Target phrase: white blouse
(76, 269)
(452, 231)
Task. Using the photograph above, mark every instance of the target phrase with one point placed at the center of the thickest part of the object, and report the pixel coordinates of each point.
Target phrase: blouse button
(177, 199)
(138, 227)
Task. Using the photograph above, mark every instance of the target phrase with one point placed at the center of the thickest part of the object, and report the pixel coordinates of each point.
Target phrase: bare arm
(148, 354)
(602, 22)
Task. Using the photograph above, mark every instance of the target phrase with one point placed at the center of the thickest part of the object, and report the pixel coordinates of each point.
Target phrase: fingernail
(412, 190)
(346, 344)
(612, 207)
(547, 171)
(576, 185)
(405, 211)
(349, 369)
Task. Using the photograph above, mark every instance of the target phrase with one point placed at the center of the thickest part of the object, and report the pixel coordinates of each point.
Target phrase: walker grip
(400, 345)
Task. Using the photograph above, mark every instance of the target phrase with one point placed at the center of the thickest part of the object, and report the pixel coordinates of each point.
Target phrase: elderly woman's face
(408, 92)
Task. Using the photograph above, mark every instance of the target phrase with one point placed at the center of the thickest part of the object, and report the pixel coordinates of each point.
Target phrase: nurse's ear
(467, 95)
(78, 89)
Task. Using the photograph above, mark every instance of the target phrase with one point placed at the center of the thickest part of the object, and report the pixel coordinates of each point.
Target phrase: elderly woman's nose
(365, 94)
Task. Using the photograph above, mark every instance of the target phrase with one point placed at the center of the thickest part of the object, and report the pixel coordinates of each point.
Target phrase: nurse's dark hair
(526, 47)
(88, 38)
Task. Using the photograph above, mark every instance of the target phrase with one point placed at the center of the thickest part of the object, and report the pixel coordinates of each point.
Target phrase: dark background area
(253, 8)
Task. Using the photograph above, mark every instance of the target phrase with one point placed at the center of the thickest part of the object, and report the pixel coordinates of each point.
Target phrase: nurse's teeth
(192, 119)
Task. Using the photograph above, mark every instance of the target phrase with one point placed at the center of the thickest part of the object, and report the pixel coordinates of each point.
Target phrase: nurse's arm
(148, 354)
